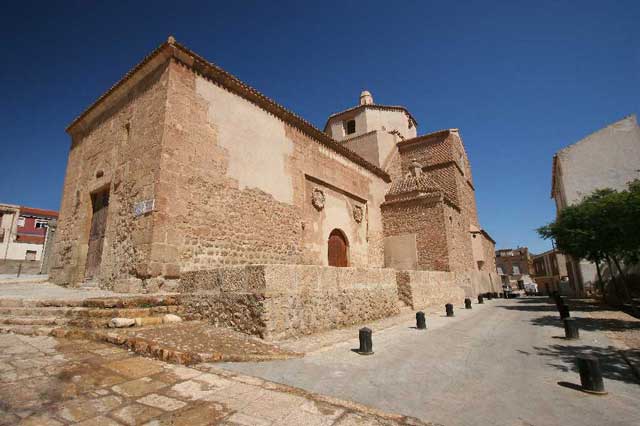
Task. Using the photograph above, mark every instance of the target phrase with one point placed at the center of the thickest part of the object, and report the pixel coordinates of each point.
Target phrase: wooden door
(100, 202)
(337, 249)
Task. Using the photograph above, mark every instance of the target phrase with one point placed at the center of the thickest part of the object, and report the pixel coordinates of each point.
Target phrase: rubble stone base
(283, 301)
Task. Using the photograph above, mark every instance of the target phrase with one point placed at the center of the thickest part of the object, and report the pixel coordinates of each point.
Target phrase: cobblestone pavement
(193, 342)
(48, 381)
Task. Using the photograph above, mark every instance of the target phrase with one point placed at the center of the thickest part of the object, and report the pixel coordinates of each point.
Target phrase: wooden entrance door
(337, 249)
(100, 203)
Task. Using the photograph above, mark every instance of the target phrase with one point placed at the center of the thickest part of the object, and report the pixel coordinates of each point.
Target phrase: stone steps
(82, 312)
(26, 330)
(141, 301)
(30, 320)
(41, 317)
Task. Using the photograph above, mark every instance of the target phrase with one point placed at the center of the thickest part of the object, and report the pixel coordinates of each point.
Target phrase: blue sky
(519, 79)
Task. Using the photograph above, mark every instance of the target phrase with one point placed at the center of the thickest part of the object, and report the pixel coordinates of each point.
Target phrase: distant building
(23, 231)
(550, 272)
(608, 158)
(514, 266)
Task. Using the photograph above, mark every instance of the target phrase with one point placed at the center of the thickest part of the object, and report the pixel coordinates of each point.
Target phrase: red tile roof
(30, 211)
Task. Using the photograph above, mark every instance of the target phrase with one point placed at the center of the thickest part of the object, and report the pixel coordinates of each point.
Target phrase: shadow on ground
(589, 324)
(563, 356)
(613, 366)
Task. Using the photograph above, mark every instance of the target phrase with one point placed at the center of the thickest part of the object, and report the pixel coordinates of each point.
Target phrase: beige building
(550, 273)
(514, 266)
(181, 167)
(608, 158)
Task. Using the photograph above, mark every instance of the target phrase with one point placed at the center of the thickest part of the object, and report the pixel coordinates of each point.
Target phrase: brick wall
(425, 219)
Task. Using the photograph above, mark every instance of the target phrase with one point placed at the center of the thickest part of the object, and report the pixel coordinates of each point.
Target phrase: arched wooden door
(337, 249)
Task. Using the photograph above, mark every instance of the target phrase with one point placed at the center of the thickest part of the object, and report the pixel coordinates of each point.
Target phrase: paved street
(51, 382)
(498, 364)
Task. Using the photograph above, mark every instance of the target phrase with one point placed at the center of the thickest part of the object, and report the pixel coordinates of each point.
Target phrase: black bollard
(571, 330)
(421, 321)
(449, 308)
(590, 374)
(561, 300)
(564, 312)
(489, 296)
(366, 343)
(467, 303)
(495, 295)
(480, 299)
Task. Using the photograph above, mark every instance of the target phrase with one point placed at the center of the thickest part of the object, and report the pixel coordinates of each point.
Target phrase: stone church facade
(180, 167)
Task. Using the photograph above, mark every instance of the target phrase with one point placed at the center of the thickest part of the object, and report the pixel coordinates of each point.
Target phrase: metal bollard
(449, 308)
(571, 330)
(489, 296)
(366, 343)
(421, 321)
(467, 303)
(564, 312)
(495, 295)
(590, 374)
(480, 299)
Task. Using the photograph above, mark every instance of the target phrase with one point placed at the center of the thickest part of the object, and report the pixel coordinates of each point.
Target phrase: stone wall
(236, 185)
(118, 151)
(477, 282)
(421, 289)
(279, 301)
(11, 267)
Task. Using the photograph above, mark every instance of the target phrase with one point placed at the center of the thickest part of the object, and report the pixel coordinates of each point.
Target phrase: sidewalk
(48, 381)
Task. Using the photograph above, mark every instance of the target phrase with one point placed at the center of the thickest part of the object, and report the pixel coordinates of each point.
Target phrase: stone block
(121, 322)
(128, 285)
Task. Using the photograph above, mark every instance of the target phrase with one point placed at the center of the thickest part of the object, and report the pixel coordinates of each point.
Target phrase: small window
(349, 127)
(516, 270)
(41, 223)
(21, 221)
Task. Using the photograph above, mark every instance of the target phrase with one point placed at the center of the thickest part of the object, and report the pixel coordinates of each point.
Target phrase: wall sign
(143, 207)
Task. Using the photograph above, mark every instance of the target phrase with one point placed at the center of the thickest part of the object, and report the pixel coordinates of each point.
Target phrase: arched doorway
(338, 249)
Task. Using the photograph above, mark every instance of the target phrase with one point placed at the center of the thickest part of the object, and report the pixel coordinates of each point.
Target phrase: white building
(608, 158)
(23, 232)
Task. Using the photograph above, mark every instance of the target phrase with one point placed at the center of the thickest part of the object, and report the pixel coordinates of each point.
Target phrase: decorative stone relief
(358, 213)
(317, 199)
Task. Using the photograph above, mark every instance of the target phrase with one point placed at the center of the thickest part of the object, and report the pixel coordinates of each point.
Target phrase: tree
(603, 227)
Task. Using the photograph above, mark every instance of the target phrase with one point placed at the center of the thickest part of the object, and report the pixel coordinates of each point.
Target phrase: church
(181, 167)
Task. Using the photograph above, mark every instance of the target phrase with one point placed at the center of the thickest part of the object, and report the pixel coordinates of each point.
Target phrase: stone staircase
(48, 317)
